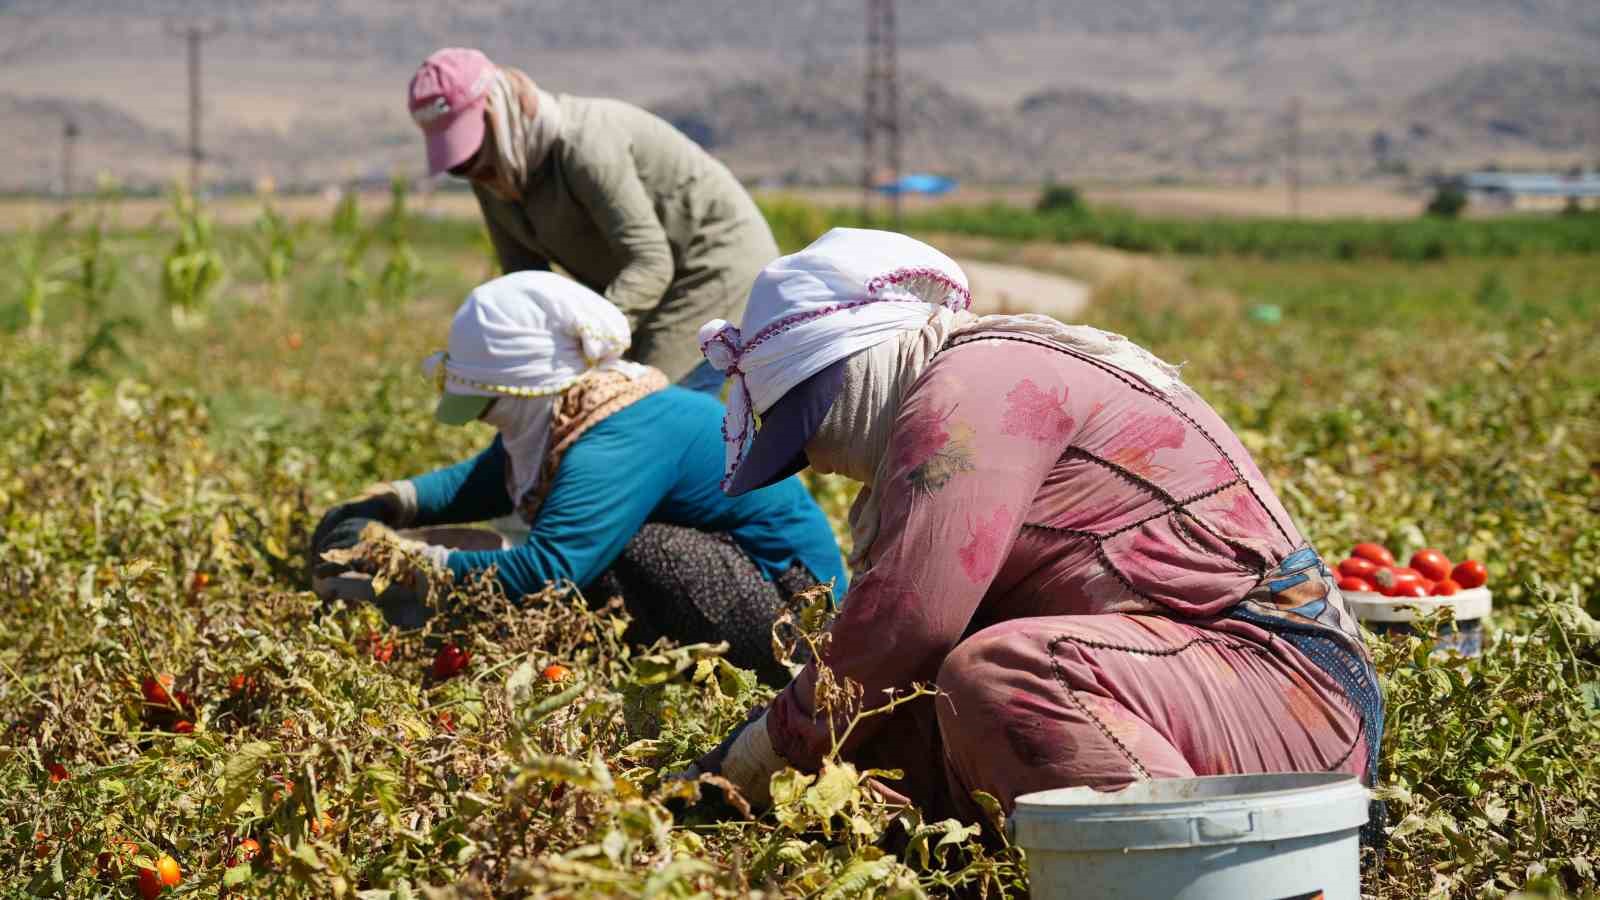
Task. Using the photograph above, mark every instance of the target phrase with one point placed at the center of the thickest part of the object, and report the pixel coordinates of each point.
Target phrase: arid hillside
(1005, 90)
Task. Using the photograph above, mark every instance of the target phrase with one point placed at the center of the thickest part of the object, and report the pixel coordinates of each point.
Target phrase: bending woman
(1054, 530)
(613, 473)
(607, 191)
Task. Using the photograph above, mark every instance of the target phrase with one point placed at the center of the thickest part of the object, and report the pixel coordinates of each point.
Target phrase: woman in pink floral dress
(1054, 531)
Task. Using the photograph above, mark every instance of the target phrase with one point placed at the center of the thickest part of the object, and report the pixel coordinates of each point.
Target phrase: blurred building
(1533, 190)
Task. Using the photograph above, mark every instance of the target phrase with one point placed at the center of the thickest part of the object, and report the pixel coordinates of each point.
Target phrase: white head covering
(851, 289)
(525, 338)
(855, 290)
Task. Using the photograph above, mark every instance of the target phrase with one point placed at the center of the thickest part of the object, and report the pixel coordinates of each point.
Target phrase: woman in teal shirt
(614, 474)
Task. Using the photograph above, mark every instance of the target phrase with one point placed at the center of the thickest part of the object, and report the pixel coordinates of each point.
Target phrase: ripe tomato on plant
(1353, 583)
(247, 851)
(1433, 565)
(157, 689)
(450, 660)
(184, 726)
(118, 853)
(1358, 567)
(167, 868)
(381, 650)
(555, 672)
(150, 885)
(58, 773)
(1378, 553)
(1470, 574)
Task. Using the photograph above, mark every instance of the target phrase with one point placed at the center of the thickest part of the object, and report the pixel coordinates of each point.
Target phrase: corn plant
(402, 270)
(274, 245)
(40, 274)
(193, 268)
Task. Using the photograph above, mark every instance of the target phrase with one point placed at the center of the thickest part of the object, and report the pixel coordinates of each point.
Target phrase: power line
(1292, 158)
(882, 113)
(69, 144)
(194, 35)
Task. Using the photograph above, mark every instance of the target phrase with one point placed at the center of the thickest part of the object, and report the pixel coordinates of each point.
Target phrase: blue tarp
(918, 183)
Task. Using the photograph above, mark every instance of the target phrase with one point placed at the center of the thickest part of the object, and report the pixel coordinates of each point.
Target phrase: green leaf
(237, 875)
(242, 773)
(521, 681)
(834, 787)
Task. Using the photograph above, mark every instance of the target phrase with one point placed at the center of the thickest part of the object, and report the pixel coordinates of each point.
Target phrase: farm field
(180, 401)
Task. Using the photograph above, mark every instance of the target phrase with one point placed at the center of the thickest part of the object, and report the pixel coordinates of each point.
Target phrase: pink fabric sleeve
(972, 444)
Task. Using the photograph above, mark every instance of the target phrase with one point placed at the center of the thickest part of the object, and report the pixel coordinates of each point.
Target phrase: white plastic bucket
(1394, 615)
(1226, 837)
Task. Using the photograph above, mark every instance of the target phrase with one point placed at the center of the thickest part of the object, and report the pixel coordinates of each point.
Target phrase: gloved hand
(392, 503)
(364, 547)
(746, 759)
(365, 543)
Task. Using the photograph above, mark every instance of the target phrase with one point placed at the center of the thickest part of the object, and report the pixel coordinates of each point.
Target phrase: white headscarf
(524, 338)
(855, 289)
(851, 289)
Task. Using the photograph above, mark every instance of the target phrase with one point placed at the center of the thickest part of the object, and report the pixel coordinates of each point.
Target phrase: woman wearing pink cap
(615, 196)
(1054, 530)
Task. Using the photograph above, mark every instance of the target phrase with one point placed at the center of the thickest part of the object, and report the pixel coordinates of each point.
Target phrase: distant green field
(1419, 239)
(178, 403)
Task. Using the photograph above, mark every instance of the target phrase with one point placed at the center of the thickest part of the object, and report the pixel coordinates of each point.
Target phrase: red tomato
(248, 849)
(1378, 553)
(555, 672)
(1409, 589)
(150, 886)
(1433, 565)
(184, 727)
(450, 660)
(1356, 567)
(58, 773)
(1391, 578)
(381, 650)
(1352, 583)
(1470, 574)
(167, 868)
(1445, 588)
(158, 689)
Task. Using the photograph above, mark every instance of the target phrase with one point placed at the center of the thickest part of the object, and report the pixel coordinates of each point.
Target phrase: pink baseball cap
(446, 99)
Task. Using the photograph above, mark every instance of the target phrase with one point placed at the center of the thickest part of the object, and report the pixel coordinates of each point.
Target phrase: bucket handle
(1223, 826)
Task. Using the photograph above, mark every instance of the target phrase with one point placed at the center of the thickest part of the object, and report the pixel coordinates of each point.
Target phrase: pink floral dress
(1100, 582)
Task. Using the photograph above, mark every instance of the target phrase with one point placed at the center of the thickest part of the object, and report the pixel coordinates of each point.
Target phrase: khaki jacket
(628, 205)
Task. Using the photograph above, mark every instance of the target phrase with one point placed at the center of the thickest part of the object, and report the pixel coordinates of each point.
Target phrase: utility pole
(194, 35)
(1293, 158)
(69, 141)
(882, 113)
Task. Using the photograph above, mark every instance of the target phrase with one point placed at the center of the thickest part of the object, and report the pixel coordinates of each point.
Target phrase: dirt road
(998, 288)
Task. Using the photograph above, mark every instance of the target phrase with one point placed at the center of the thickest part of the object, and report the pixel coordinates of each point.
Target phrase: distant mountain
(1528, 102)
(408, 28)
(808, 127)
(1015, 90)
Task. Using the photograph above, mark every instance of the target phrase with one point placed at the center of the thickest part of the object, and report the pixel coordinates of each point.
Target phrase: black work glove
(380, 502)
